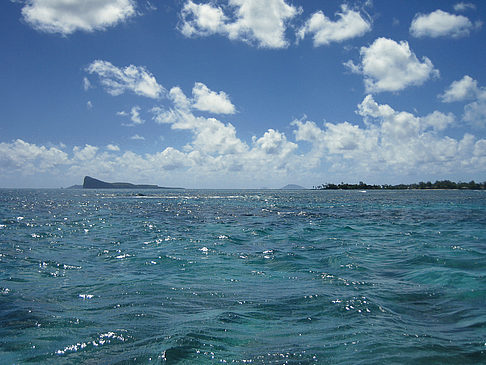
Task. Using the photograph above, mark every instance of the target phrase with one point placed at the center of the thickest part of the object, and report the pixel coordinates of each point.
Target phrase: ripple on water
(244, 277)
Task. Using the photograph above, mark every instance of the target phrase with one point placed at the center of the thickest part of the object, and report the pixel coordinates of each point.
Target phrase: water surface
(303, 277)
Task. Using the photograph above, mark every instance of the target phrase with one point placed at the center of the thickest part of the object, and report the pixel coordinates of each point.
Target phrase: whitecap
(86, 296)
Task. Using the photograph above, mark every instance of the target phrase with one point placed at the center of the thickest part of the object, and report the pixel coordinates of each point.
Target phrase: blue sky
(241, 93)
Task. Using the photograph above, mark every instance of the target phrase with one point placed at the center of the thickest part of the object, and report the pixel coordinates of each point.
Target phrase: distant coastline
(92, 183)
(438, 185)
(293, 187)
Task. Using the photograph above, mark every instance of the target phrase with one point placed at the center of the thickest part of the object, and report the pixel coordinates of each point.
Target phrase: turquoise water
(266, 277)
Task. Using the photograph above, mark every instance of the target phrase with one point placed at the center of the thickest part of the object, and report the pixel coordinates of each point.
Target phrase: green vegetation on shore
(442, 184)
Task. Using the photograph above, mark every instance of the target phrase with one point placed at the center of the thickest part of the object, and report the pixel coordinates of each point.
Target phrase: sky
(241, 93)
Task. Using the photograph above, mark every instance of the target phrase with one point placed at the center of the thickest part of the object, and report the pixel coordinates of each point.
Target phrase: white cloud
(256, 22)
(466, 88)
(66, 17)
(112, 147)
(406, 143)
(462, 6)
(211, 101)
(350, 25)
(179, 99)
(211, 135)
(207, 19)
(274, 143)
(388, 144)
(480, 148)
(391, 143)
(89, 105)
(475, 112)
(307, 131)
(345, 139)
(131, 78)
(169, 159)
(263, 21)
(438, 120)
(216, 147)
(29, 158)
(135, 115)
(390, 66)
(440, 24)
(137, 137)
(395, 126)
(204, 99)
(84, 153)
(214, 137)
(86, 84)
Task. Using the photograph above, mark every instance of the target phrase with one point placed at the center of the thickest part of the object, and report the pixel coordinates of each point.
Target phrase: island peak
(293, 187)
(92, 183)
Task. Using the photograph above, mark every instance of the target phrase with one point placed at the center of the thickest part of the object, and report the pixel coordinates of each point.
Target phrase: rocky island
(92, 183)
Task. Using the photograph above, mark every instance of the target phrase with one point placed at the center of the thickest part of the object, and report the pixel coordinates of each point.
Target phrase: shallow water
(242, 276)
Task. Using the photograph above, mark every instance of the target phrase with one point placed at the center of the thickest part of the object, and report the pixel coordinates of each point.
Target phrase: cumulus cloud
(112, 147)
(211, 101)
(401, 132)
(66, 17)
(399, 141)
(390, 140)
(203, 99)
(475, 112)
(131, 78)
(438, 120)
(387, 142)
(29, 158)
(307, 131)
(84, 153)
(467, 89)
(138, 80)
(346, 138)
(390, 66)
(170, 159)
(211, 135)
(440, 24)
(274, 143)
(262, 23)
(349, 25)
(202, 19)
(216, 146)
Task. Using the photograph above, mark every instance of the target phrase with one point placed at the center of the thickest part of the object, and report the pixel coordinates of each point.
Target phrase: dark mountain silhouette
(92, 183)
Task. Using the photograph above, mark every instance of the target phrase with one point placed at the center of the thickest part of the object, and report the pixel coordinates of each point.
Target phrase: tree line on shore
(439, 184)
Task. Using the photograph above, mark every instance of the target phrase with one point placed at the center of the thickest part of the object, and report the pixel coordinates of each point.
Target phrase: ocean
(242, 276)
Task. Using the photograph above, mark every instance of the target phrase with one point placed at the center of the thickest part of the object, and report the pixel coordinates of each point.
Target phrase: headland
(92, 183)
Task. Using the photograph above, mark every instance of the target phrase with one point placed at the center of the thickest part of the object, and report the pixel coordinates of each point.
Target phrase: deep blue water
(327, 277)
